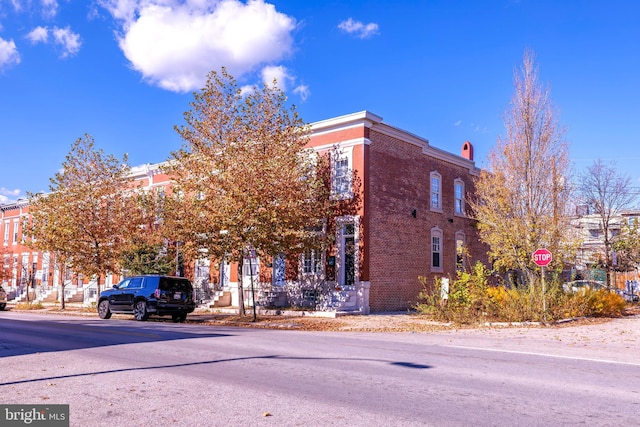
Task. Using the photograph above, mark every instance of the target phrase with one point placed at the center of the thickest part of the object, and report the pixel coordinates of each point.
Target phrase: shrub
(471, 300)
(29, 306)
(465, 302)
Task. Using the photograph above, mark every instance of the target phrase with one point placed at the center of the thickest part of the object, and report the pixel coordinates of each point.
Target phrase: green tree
(522, 199)
(142, 256)
(627, 246)
(244, 177)
(91, 213)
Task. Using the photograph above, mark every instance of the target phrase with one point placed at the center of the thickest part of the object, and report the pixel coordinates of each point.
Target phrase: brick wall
(399, 244)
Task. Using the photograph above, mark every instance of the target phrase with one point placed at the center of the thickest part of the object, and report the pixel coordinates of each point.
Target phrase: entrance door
(225, 274)
(279, 266)
(347, 273)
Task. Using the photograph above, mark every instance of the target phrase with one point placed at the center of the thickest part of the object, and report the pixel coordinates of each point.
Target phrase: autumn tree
(243, 177)
(522, 198)
(607, 193)
(91, 213)
(6, 258)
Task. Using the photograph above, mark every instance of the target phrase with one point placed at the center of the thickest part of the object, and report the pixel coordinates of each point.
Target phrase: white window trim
(6, 232)
(339, 266)
(317, 265)
(433, 175)
(462, 212)
(436, 232)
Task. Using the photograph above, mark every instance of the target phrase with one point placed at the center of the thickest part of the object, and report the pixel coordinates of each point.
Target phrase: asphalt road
(126, 373)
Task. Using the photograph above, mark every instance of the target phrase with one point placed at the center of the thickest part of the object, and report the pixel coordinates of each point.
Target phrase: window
(135, 282)
(342, 182)
(436, 191)
(6, 232)
(460, 250)
(124, 284)
(341, 171)
(312, 261)
(15, 231)
(251, 267)
(594, 232)
(436, 249)
(458, 191)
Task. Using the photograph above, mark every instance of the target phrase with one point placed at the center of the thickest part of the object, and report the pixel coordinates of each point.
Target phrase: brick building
(412, 221)
(414, 217)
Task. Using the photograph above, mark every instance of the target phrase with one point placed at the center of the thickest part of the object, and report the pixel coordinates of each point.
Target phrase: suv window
(136, 282)
(167, 284)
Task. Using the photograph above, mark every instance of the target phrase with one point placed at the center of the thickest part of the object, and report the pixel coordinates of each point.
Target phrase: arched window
(458, 191)
(436, 191)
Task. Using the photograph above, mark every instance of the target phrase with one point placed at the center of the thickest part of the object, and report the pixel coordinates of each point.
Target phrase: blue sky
(124, 71)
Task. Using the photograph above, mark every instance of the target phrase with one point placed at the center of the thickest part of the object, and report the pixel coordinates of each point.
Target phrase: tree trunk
(241, 309)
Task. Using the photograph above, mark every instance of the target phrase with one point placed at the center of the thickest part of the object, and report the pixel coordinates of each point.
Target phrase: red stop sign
(542, 257)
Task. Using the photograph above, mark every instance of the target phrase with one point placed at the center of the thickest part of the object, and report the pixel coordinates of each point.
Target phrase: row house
(412, 221)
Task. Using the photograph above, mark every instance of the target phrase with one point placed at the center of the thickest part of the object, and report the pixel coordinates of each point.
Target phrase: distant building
(590, 232)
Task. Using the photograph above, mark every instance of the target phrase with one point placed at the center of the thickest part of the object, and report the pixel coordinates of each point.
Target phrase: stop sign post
(542, 257)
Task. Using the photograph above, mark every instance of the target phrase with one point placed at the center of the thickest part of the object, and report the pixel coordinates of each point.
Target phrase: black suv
(146, 295)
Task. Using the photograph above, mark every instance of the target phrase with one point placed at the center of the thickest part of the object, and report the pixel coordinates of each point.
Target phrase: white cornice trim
(362, 118)
(448, 157)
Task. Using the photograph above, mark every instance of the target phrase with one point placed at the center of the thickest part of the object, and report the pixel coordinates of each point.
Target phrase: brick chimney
(467, 150)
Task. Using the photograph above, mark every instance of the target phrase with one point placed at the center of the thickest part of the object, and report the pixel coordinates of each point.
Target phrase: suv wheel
(179, 317)
(103, 309)
(140, 311)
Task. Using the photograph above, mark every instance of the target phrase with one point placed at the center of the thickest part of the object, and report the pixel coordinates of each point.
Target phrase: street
(122, 372)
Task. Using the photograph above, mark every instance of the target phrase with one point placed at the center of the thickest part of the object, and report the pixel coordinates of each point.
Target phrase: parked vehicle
(143, 296)
(628, 296)
(581, 285)
(3, 298)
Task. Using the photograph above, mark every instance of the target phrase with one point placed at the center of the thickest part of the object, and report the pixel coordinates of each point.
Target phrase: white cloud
(6, 194)
(458, 123)
(357, 28)
(303, 92)
(63, 37)
(8, 53)
(49, 8)
(175, 43)
(17, 5)
(69, 41)
(277, 73)
(246, 90)
(38, 35)
(283, 79)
